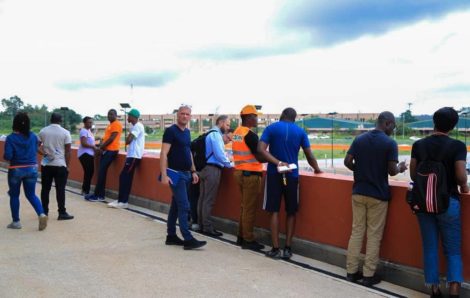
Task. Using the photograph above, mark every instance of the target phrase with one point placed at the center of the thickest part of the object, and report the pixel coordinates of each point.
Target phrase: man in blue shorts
(284, 139)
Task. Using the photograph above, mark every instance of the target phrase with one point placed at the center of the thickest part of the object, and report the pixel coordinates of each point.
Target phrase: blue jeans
(28, 176)
(106, 159)
(448, 226)
(126, 177)
(179, 208)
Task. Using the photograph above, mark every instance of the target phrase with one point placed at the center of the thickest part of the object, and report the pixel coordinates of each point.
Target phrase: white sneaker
(42, 222)
(113, 204)
(122, 205)
(14, 225)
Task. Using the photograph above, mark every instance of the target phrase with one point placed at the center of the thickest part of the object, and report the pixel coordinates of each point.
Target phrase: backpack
(430, 190)
(198, 149)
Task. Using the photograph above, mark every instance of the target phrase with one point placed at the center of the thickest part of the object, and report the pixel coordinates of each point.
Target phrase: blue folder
(173, 175)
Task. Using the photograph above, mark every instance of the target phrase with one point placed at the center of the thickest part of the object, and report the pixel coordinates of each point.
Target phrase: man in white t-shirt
(136, 142)
(55, 148)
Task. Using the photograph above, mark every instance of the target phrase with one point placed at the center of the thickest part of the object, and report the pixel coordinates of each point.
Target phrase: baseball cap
(134, 113)
(249, 109)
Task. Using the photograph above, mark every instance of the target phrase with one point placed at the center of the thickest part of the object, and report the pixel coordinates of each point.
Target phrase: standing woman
(21, 148)
(446, 226)
(86, 153)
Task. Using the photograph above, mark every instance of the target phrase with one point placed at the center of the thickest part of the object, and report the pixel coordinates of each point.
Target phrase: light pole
(332, 114)
(464, 112)
(65, 109)
(303, 120)
(125, 106)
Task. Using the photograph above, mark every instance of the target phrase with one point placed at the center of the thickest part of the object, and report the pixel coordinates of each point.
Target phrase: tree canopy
(39, 115)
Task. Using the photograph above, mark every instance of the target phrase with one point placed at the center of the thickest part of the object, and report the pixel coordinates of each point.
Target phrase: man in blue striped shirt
(210, 174)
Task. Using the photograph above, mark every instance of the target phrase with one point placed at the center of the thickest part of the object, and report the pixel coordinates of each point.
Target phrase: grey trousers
(209, 185)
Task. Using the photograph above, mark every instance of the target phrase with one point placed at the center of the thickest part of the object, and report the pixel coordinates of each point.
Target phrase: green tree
(12, 105)
(39, 115)
(149, 130)
(407, 116)
(70, 119)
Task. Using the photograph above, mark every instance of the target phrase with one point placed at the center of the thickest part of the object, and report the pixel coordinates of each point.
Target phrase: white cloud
(52, 41)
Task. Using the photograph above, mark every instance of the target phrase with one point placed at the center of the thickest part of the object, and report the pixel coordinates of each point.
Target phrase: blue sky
(316, 56)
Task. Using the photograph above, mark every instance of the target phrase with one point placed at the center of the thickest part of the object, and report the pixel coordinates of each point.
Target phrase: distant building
(203, 122)
(321, 124)
(427, 126)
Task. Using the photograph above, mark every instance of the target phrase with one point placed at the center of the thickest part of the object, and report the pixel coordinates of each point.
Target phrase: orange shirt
(115, 126)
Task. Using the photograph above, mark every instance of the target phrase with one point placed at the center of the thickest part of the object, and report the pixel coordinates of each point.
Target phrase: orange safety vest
(242, 156)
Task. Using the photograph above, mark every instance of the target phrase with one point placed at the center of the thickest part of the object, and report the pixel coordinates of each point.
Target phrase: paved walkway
(107, 252)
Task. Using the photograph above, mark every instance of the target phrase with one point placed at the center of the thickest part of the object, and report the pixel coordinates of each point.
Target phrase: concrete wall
(325, 210)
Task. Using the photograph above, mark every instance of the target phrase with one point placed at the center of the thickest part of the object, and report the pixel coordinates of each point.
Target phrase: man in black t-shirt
(178, 170)
(453, 155)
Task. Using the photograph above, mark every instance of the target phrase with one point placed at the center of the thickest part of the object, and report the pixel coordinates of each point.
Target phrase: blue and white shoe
(94, 198)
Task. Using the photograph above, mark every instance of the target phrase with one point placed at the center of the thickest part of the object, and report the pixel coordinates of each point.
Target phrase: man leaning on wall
(284, 139)
(210, 175)
(372, 157)
(248, 174)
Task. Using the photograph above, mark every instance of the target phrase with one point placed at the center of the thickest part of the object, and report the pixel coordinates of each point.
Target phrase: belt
(22, 166)
(215, 165)
(249, 173)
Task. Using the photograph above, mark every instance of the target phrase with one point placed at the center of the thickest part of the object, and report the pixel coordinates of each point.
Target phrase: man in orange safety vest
(248, 174)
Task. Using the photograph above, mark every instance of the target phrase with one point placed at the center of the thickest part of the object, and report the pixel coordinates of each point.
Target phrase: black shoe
(64, 216)
(213, 233)
(354, 277)
(173, 240)
(286, 253)
(239, 241)
(370, 281)
(193, 244)
(274, 253)
(438, 294)
(253, 245)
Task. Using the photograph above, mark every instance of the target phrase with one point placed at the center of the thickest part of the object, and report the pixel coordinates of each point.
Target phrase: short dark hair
(220, 119)
(445, 119)
(21, 123)
(85, 119)
(113, 110)
(384, 117)
(56, 118)
(289, 114)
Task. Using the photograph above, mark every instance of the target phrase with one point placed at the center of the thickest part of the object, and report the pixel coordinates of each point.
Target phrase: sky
(218, 55)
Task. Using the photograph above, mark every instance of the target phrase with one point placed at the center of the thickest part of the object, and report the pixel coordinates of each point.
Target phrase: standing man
(136, 141)
(109, 150)
(211, 173)
(176, 159)
(284, 139)
(56, 147)
(248, 174)
(372, 157)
